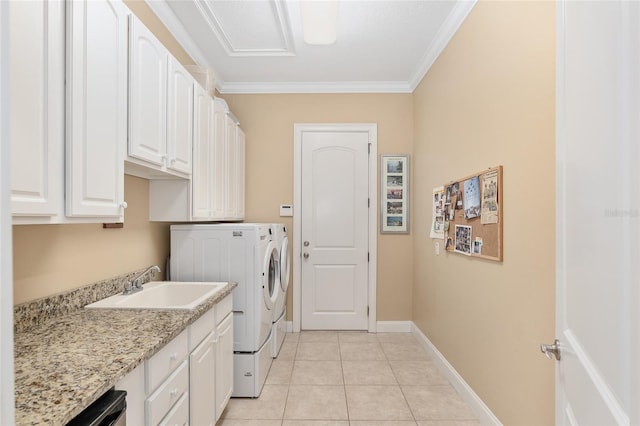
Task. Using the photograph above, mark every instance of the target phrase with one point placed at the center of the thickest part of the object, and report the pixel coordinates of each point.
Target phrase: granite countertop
(66, 363)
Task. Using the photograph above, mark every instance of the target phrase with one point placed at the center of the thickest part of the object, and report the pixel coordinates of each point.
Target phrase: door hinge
(367, 311)
(368, 256)
(369, 202)
(369, 148)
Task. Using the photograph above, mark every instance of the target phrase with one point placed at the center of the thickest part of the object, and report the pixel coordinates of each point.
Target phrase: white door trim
(298, 129)
(7, 402)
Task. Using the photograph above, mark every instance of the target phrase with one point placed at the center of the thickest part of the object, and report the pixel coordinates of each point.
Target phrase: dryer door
(271, 275)
(284, 264)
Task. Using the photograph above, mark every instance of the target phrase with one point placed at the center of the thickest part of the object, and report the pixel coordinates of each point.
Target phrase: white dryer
(246, 254)
(279, 327)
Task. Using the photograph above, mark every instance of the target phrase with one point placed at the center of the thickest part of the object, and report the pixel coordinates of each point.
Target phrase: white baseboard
(479, 408)
(394, 326)
(382, 326)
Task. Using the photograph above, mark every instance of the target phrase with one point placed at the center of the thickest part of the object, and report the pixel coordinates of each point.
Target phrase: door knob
(305, 255)
(551, 350)
(306, 243)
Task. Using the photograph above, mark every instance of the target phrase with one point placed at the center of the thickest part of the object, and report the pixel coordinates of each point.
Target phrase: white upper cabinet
(201, 180)
(179, 118)
(147, 95)
(96, 108)
(219, 159)
(160, 106)
(216, 189)
(234, 164)
(37, 107)
(231, 195)
(240, 167)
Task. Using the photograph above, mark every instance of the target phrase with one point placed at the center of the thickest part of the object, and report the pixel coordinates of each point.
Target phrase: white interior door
(597, 222)
(335, 224)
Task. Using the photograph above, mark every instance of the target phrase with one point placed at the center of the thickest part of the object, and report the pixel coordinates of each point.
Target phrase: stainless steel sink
(162, 295)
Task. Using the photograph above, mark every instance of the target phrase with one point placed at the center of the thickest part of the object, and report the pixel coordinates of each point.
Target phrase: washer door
(284, 264)
(271, 275)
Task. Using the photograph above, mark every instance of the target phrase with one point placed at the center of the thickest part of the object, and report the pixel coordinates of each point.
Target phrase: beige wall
(268, 123)
(489, 100)
(49, 259)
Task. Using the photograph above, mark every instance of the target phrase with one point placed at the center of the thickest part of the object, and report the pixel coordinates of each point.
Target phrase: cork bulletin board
(473, 215)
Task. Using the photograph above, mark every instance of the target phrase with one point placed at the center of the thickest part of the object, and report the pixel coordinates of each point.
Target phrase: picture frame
(394, 196)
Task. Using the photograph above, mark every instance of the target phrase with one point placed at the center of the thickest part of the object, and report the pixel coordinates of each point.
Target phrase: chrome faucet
(135, 285)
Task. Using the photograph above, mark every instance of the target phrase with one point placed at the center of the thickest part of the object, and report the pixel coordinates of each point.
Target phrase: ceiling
(256, 46)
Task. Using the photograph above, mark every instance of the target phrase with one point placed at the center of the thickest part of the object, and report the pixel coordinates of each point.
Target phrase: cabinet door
(202, 382)
(179, 117)
(37, 107)
(201, 177)
(96, 107)
(133, 383)
(224, 364)
(240, 152)
(219, 161)
(147, 95)
(230, 199)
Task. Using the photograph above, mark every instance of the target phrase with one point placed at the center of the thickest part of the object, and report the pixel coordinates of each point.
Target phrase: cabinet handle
(174, 392)
(174, 356)
(123, 204)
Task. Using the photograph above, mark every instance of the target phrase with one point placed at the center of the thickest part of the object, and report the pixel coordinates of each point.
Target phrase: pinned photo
(463, 239)
(472, 198)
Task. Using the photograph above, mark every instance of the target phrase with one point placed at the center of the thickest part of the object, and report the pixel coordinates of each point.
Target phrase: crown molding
(444, 35)
(176, 28)
(316, 87)
(442, 38)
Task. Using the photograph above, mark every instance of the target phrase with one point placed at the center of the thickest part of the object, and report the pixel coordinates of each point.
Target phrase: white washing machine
(246, 254)
(279, 327)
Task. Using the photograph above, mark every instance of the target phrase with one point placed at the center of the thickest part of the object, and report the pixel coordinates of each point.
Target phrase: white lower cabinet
(202, 367)
(159, 404)
(224, 364)
(202, 380)
(133, 383)
(179, 414)
(189, 380)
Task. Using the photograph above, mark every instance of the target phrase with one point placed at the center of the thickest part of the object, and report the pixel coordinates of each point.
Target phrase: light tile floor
(327, 378)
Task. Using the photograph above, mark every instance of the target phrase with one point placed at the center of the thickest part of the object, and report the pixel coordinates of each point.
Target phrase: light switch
(286, 210)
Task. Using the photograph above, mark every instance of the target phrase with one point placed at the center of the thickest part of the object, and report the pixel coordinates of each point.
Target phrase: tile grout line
(344, 382)
(398, 382)
(286, 400)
